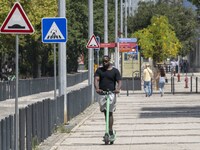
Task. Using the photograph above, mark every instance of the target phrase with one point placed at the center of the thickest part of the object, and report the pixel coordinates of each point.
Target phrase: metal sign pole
(116, 34)
(105, 26)
(55, 83)
(55, 71)
(16, 98)
(91, 50)
(63, 62)
(118, 57)
(98, 49)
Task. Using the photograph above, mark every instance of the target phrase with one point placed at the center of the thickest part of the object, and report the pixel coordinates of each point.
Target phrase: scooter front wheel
(106, 139)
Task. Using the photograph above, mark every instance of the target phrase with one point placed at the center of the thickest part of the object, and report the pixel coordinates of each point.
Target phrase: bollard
(171, 85)
(127, 87)
(186, 81)
(178, 76)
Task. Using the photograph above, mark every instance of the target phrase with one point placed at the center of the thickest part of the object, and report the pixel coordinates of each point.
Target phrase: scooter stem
(107, 112)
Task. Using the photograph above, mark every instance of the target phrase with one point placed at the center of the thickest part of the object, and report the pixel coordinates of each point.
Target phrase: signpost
(54, 30)
(134, 40)
(123, 45)
(128, 45)
(17, 23)
(109, 45)
(97, 50)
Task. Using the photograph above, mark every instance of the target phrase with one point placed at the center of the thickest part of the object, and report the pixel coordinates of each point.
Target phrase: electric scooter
(107, 137)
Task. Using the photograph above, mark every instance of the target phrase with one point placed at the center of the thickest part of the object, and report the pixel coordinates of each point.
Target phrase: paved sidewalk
(171, 122)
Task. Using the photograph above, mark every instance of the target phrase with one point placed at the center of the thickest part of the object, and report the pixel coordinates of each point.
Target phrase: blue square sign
(54, 30)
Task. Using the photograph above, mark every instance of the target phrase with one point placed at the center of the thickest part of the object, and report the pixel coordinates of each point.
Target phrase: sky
(188, 4)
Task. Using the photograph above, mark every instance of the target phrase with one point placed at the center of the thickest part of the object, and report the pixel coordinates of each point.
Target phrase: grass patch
(35, 143)
(63, 129)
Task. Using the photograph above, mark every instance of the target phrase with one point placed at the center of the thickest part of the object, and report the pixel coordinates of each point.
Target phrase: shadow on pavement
(169, 112)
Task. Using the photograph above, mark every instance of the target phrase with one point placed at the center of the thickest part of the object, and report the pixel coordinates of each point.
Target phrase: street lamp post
(105, 25)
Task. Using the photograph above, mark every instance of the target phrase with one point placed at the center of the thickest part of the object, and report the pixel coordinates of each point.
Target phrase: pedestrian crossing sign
(54, 30)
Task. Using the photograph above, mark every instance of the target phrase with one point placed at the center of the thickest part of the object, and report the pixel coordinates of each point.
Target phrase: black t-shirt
(108, 78)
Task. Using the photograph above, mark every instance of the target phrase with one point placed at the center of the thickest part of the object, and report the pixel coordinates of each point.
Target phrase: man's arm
(96, 84)
(119, 84)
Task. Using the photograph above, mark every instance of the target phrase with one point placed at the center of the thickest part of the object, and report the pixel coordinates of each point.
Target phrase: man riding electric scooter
(107, 82)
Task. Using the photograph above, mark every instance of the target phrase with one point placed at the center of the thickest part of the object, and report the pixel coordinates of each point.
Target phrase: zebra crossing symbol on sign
(54, 33)
(54, 30)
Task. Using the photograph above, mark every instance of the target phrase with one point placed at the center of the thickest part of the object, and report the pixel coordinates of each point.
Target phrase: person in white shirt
(147, 75)
(173, 67)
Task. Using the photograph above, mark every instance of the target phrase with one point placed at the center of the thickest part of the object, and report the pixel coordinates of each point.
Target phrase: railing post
(4, 134)
(127, 87)
(173, 86)
(191, 84)
(196, 84)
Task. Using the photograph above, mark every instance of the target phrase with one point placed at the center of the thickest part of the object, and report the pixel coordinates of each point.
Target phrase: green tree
(77, 16)
(32, 49)
(158, 40)
(36, 50)
(183, 20)
(7, 44)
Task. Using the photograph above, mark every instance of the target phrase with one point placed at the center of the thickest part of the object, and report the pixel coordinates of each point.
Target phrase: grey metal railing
(38, 121)
(37, 85)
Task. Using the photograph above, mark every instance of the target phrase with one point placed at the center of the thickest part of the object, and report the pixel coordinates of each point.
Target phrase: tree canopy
(158, 40)
(183, 20)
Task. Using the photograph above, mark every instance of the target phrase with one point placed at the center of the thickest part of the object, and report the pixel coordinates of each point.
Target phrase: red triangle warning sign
(92, 43)
(17, 22)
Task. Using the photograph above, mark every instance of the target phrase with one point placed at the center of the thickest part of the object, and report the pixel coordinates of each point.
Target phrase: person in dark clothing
(185, 66)
(107, 78)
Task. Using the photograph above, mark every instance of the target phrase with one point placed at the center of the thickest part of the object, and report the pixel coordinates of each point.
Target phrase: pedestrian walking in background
(185, 66)
(173, 67)
(107, 78)
(161, 76)
(177, 65)
(147, 76)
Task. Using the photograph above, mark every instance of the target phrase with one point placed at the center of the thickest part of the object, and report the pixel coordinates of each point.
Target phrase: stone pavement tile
(95, 147)
(161, 146)
(168, 123)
